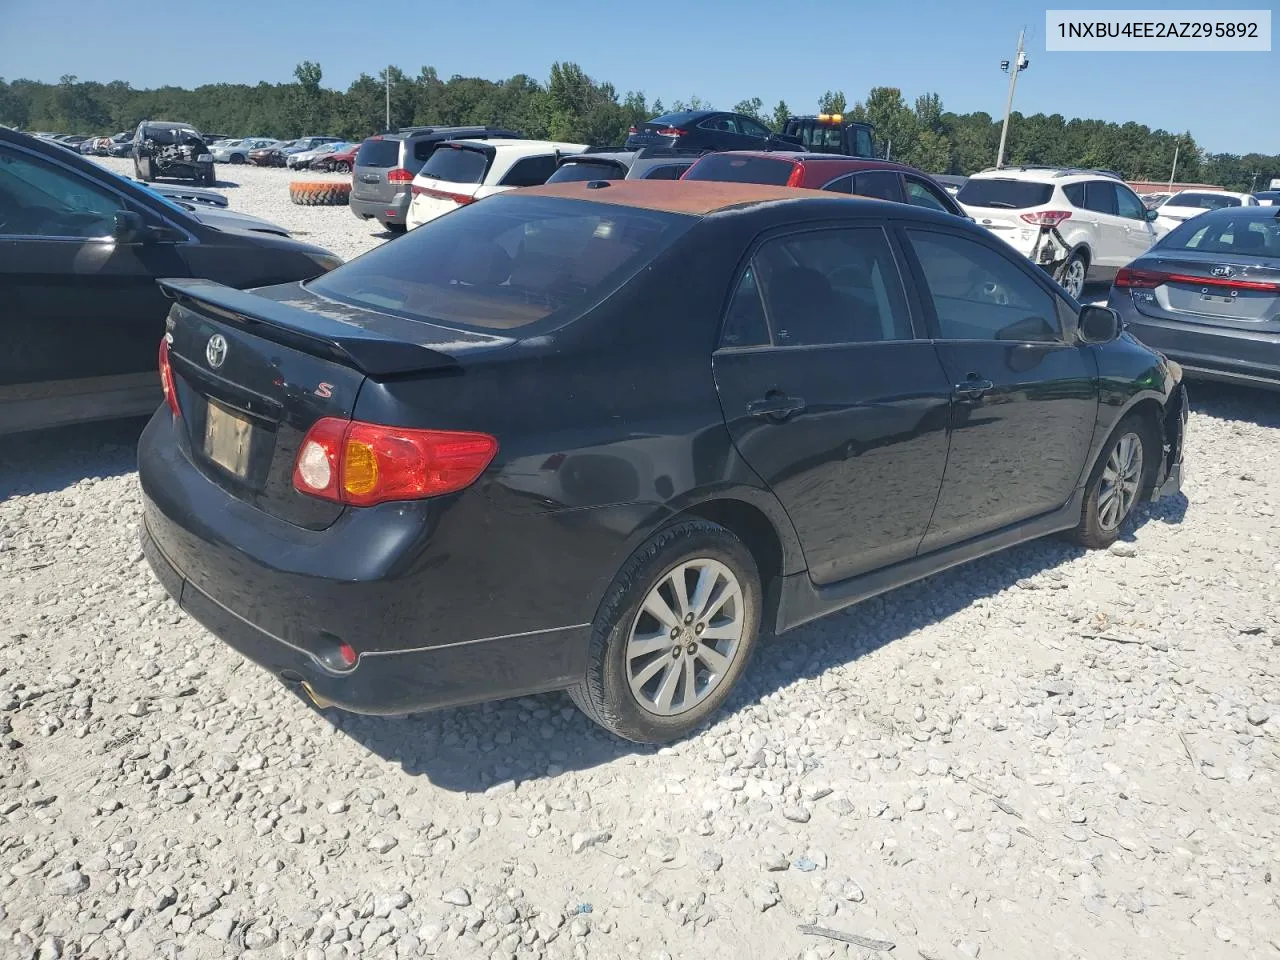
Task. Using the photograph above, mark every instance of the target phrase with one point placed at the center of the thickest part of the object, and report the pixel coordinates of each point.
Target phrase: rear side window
(378, 153)
(530, 171)
(1100, 196)
(723, 124)
(831, 287)
(979, 294)
(1004, 194)
(739, 169)
(423, 149)
(506, 263)
(455, 164)
(880, 184)
(744, 324)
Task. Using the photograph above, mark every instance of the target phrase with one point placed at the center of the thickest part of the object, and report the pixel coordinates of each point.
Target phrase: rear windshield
(455, 164)
(1228, 233)
(506, 263)
(1006, 194)
(726, 167)
(1203, 201)
(378, 153)
(588, 170)
(674, 119)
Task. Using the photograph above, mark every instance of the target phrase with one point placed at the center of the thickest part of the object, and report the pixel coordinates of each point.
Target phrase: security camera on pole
(1020, 63)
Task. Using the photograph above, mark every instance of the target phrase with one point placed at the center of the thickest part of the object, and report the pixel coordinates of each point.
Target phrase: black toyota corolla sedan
(1208, 296)
(598, 436)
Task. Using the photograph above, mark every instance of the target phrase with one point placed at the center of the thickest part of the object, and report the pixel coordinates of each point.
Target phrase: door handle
(974, 388)
(776, 405)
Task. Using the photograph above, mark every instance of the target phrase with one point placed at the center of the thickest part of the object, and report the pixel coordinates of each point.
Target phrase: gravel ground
(1047, 755)
(264, 192)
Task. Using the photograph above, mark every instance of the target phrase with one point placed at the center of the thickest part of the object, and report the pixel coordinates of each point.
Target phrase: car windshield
(506, 263)
(1004, 194)
(1203, 201)
(1231, 233)
(740, 169)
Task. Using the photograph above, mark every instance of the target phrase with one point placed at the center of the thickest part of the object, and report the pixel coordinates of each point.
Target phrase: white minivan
(463, 171)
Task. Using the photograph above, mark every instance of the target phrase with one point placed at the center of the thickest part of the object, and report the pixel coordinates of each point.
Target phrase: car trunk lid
(1206, 288)
(376, 157)
(255, 371)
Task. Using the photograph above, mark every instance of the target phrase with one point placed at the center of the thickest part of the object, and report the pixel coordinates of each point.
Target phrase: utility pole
(388, 76)
(1172, 173)
(1020, 63)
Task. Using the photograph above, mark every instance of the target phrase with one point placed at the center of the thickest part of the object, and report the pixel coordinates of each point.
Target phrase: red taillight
(670, 132)
(1139, 279)
(797, 174)
(459, 198)
(1047, 218)
(632, 130)
(166, 378)
(348, 461)
(1147, 279)
(399, 175)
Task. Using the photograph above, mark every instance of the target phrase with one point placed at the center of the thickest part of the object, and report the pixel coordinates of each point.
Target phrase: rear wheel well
(750, 525)
(1150, 413)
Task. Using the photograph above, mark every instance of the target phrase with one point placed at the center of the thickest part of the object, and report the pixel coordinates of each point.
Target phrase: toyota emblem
(215, 350)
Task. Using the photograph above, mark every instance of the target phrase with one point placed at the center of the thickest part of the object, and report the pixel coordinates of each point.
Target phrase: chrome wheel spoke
(1121, 482)
(667, 688)
(657, 607)
(650, 671)
(647, 643)
(715, 661)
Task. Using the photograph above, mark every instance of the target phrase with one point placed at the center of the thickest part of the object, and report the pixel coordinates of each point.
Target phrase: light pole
(388, 76)
(1020, 63)
(1174, 170)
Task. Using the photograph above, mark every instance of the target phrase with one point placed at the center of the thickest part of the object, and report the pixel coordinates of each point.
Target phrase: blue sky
(721, 51)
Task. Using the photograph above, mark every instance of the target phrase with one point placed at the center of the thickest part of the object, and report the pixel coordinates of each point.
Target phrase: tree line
(572, 106)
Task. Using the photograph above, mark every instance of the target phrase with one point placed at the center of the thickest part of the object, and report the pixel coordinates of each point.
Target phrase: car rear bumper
(1203, 351)
(287, 597)
(385, 211)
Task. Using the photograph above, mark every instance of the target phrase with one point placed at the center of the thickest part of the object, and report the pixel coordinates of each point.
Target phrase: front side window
(43, 200)
(832, 287)
(1128, 205)
(753, 129)
(921, 194)
(981, 294)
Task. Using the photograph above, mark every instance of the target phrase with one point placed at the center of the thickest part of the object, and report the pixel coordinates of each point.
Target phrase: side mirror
(1153, 213)
(128, 227)
(1098, 324)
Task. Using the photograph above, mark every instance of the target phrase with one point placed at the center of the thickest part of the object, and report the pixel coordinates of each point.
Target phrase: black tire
(237, 158)
(1092, 532)
(396, 227)
(210, 178)
(605, 694)
(1066, 275)
(341, 167)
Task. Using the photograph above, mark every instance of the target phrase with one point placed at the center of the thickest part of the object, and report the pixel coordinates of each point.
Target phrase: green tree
(780, 114)
(832, 101)
(751, 108)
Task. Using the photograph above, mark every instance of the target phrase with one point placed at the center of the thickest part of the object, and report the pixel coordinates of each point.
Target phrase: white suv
(463, 171)
(1078, 224)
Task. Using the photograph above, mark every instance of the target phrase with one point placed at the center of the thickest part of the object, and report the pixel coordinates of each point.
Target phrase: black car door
(757, 135)
(832, 399)
(1026, 395)
(82, 313)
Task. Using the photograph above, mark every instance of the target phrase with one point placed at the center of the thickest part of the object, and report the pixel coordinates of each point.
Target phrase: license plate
(205, 158)
(226, 439)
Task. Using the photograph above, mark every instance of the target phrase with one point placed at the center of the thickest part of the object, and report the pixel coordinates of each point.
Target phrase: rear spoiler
(372, 353)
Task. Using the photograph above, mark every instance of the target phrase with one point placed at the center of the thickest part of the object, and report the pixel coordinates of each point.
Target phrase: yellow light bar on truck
(830, 117)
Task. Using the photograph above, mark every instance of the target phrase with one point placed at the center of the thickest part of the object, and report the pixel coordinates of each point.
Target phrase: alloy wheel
(1121, 481)
(1073, 278)
(686, 637)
